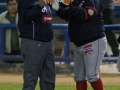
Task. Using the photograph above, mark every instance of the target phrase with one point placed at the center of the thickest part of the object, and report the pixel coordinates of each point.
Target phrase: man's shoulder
(3, 14)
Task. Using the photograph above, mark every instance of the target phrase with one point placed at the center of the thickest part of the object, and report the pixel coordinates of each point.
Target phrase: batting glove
(54, 6)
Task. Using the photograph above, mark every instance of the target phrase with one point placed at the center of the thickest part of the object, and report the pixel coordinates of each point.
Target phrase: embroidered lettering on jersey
(90, 12)
(44, 9)
(88, 48)
(46, 18)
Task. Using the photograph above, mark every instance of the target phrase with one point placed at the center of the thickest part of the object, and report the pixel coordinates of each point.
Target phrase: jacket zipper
(33, 29)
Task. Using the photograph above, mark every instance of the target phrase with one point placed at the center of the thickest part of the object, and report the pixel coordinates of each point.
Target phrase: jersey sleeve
(32, 12)
(63, 14)
(88, 10)
(29, 10)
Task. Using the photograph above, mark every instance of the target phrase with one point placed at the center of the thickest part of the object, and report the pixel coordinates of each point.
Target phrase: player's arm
(89, 11)
(34, 10)
(63, 14)
(30, 10)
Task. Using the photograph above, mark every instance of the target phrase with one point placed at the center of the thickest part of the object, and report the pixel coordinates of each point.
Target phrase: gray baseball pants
(87, 60)
(38, 62)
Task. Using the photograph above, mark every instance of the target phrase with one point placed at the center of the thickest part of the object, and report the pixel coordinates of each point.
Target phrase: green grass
(58, 87)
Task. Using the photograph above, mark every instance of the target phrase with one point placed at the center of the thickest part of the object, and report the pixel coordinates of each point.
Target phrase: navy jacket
(85, 21)
(34, 22)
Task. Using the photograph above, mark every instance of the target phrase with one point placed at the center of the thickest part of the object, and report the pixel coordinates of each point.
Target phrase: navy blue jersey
(85, 21)
(34, 22)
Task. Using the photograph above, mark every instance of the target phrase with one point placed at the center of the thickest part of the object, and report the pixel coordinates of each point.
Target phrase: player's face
(12, 6)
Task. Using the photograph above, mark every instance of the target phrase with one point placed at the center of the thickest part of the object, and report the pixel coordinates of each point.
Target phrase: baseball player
(35, 26)
(86, 31)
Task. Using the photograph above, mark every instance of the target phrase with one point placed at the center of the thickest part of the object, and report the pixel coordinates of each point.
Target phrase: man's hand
(42, 3)
(54, 5)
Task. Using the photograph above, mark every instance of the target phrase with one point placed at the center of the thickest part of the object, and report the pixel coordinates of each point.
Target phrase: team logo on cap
(90, 12)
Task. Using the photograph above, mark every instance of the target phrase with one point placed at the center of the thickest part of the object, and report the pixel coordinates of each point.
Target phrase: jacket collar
(8, 15)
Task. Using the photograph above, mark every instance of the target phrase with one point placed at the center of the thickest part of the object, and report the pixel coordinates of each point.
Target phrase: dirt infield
(61, 79)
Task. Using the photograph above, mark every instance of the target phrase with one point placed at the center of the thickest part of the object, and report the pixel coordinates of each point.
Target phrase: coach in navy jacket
(35, 26)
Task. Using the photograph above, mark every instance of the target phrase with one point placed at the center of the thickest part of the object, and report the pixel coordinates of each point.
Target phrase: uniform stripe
(97, 60)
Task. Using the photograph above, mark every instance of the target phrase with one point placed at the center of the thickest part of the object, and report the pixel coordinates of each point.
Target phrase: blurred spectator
(11, 35)
(108, 13)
